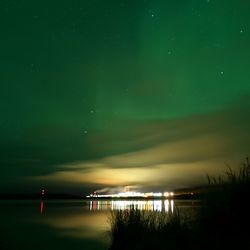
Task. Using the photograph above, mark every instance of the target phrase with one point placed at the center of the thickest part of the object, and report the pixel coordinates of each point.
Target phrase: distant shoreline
(76, 197)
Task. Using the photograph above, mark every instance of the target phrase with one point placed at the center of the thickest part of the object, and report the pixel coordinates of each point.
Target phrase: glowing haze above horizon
(102, 94)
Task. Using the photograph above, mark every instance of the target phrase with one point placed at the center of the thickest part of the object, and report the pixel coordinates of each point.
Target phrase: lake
(67, 224)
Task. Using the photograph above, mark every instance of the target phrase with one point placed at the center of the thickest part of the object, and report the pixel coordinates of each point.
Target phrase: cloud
(175, 153)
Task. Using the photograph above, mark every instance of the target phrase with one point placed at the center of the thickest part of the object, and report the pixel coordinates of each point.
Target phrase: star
(84, 131)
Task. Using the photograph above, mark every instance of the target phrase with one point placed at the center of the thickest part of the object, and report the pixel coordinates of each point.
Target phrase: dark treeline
(39, 196)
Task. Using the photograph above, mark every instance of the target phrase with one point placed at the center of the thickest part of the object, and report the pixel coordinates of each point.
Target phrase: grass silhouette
(221, 222)
(136, 229)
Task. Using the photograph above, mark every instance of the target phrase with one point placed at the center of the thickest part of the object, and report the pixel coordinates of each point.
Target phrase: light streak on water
(143, 205)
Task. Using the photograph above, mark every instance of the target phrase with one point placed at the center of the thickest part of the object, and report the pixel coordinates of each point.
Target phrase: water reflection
(146, 205)
(41, 207)
(89, 219)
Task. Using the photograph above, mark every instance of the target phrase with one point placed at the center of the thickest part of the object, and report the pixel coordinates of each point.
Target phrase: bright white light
(157, 194)
(143, 205)
(166, 204)
(158, 205)
(172, 206)
(131, 194)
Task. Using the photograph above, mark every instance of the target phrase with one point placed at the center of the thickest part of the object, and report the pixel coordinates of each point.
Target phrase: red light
(94, 205)
(41, 207)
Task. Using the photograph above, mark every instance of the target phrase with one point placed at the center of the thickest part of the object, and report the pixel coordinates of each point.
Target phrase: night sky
(97, 94)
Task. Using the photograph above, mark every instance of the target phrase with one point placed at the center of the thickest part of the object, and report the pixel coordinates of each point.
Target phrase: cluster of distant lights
(131, 194)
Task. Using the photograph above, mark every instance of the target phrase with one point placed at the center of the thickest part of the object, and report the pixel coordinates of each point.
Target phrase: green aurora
(106, 93)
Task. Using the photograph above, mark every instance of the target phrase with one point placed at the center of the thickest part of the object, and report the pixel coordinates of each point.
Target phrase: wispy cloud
(176, 153)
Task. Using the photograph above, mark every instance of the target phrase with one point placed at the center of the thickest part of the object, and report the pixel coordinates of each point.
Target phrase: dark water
(64, 225)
